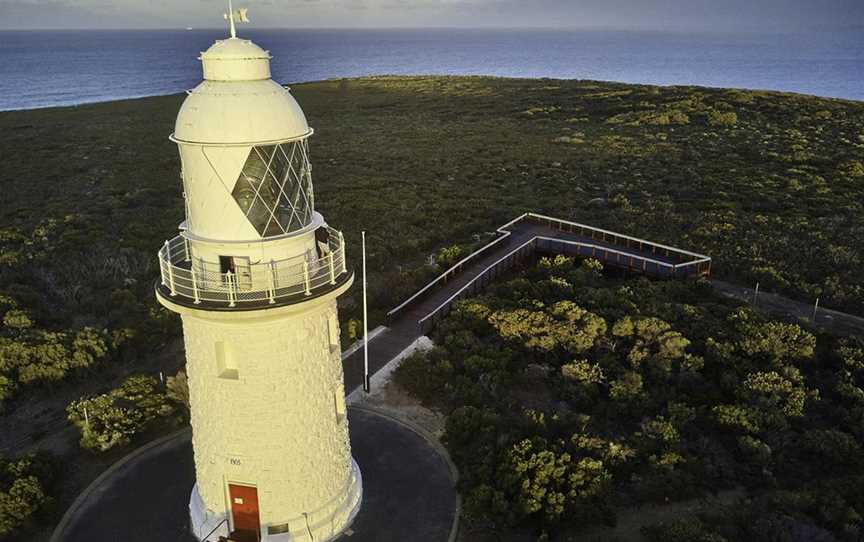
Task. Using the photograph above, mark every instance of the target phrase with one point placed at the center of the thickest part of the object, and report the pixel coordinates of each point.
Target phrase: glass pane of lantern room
(290, 168)
(287, 209)
(255, 190)
(273, 190)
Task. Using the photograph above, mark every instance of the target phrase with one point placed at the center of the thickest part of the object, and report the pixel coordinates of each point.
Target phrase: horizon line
(815, 29)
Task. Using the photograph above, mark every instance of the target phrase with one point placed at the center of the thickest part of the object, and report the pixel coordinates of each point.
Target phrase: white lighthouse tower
(254, 274)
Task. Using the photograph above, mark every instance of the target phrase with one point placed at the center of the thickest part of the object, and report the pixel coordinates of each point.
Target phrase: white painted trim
(179, 141)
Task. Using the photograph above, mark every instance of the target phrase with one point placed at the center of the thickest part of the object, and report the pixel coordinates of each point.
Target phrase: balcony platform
(187, 280)
(240, 305)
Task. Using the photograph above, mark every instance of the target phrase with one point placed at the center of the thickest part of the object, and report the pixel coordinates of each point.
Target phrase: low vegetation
(25, 492)
(771, 185)
(571, 396)
(139, 404)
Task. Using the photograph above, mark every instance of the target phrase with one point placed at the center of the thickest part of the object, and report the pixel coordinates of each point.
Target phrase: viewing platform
(191, 282)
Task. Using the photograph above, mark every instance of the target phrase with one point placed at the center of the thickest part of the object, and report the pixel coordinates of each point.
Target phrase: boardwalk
(516, 241)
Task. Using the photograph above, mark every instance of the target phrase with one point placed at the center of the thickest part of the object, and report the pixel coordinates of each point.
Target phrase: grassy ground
(769, 184)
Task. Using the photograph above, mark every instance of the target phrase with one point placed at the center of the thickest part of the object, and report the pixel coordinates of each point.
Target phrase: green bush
(25, 491)
(720, 118)
(113, 419)
(685, 393)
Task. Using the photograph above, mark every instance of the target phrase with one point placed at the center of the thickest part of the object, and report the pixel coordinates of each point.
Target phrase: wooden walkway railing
(552, 235)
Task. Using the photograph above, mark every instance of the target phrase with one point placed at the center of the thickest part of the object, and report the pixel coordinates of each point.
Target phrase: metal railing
(622, 258)
(683, 257)
(687, 263)
(457, 267)
(563, 246)
(184, 275)
(609, 247)
(478, 282)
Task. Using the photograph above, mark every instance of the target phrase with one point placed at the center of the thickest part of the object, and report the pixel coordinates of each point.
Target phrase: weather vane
(233, 16)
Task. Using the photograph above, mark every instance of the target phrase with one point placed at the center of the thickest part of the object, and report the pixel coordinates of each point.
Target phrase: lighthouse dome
(238, 103)
(235, 59)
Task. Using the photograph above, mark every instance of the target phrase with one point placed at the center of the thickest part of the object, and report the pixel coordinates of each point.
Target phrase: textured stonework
(272, 421)
(266, 385)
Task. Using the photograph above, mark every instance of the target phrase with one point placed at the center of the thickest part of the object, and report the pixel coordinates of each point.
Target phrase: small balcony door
(245, 521)
(240, 267)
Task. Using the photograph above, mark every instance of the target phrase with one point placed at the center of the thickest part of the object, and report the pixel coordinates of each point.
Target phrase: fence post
(306, 278)
(272, 280)
(195, 285)
(332, 268)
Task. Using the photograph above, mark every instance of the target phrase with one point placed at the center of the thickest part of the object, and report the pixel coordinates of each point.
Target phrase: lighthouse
(255, 273)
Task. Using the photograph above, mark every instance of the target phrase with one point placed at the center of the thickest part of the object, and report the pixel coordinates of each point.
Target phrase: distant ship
(189, 28)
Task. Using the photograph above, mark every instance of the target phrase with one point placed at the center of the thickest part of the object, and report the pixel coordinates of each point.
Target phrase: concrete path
(408, 490)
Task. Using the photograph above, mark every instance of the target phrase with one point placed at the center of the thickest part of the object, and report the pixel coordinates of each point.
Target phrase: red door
(244, 511)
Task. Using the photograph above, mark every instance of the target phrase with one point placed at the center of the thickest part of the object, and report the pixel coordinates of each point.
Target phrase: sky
(679, 15)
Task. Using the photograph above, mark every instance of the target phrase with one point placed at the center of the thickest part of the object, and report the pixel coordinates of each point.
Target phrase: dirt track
(838, 323)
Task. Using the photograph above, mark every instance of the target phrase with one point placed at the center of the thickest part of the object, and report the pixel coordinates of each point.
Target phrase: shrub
(719, 118)
(682, 530)
(115, 418)
(24, 491)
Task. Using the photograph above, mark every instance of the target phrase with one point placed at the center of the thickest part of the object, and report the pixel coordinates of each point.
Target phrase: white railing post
(231, 293)
(306, 278)
(332, 269)
(171, 280)
(342, 250)
(188, 255)
(162, 268)
(195, 285)
(170, 267)
(272, 282)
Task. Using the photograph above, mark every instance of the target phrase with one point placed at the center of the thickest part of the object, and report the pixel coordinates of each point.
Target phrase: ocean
(53, 68)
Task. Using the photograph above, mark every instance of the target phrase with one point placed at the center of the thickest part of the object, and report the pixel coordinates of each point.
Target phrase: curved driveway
(408, 492)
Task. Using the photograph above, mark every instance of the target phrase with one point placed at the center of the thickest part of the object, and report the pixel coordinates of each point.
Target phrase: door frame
(230, 502)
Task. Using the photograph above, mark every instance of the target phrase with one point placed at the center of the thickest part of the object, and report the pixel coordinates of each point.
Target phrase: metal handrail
(478, 277)
(671, 267)
(224, 521)
(185, 276)
(504, 233)
(617, 235)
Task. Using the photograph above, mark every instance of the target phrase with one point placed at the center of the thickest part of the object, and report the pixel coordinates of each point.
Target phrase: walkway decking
(517, 241)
